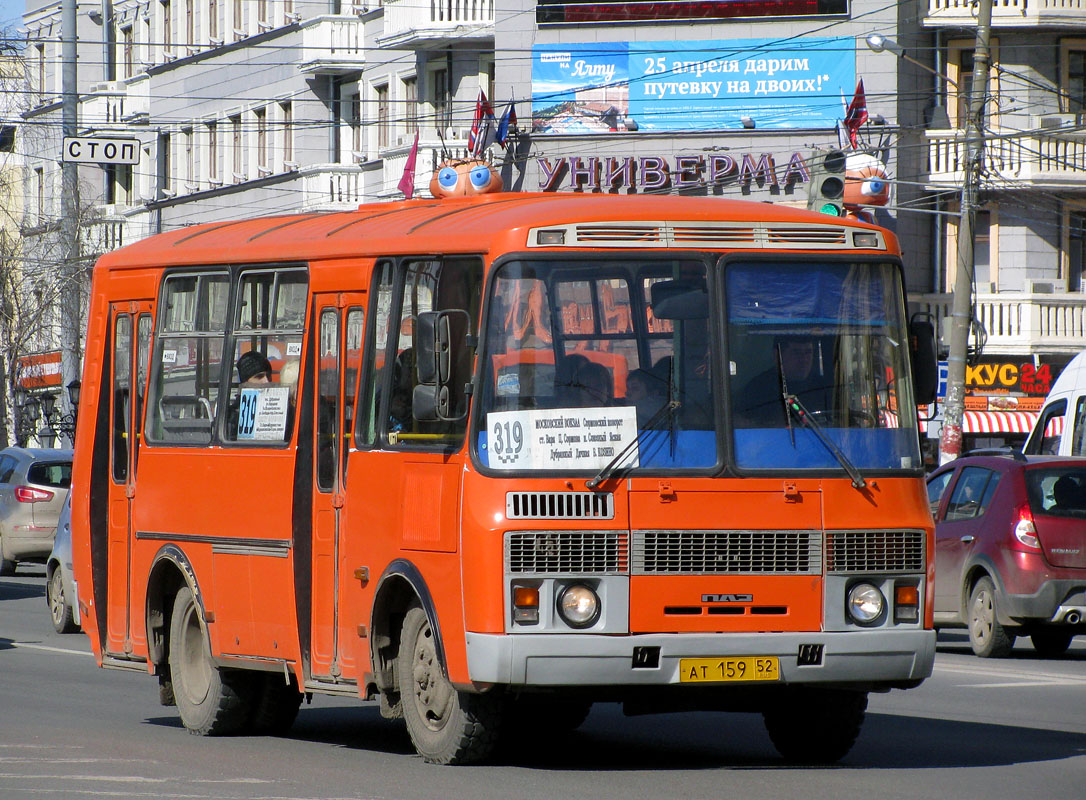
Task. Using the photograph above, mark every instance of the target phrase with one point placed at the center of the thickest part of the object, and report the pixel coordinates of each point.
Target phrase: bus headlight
(865, 603)
(579, 606)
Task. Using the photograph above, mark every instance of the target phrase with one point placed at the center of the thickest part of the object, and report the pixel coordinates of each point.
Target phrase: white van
(1061, 427)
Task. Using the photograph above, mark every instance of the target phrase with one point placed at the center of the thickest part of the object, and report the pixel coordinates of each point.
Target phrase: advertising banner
(609, 87)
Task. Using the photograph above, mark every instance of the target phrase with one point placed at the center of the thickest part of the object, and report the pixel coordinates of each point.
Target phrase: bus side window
(265, 348)
(376, 353)
(184, 386)
(433, 285)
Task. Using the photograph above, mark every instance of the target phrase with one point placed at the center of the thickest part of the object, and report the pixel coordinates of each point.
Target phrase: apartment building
(257, 107)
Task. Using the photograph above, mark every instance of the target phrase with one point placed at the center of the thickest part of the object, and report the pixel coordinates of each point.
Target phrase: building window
(288, 12)
(287, 113)
(213, 152)
(262, 13)
(39, 57)
(960, 69)
(39, 198)
(165, 178)
(985, 249)
(189, 158)
(411, 104)
(260, 115)
(237, 160)
(239, 21)
(382, 115)
(213, 21)
(190, 24)
(1073, 75)
(167, 27)
(128, 51)
(1076, 249)
(355, 111)
(119, 184)
(440, 99)
(7, 138)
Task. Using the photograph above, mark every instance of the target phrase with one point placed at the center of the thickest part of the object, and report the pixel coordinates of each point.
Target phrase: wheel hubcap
(195, 677)
(983, 616)
(56, 597)
(432, 692)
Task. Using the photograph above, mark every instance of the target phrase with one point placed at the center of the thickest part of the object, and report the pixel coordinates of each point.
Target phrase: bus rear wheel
(211, 701)
(446, 726)
(815, 726)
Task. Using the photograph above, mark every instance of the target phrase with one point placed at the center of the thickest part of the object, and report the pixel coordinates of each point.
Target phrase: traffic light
(826, 191)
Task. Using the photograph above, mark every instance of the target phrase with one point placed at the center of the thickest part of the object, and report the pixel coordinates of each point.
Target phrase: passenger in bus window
(647, 393)
(594, 385)
(254, 370)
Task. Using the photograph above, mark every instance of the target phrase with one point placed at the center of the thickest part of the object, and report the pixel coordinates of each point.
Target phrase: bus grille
(727, 553)
(559, 505)
(874, 551)
(567, 552)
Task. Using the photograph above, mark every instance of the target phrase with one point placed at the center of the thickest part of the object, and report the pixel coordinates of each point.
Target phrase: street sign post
(101, 150)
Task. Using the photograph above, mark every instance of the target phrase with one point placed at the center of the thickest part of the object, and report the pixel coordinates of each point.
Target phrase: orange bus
(493, 459)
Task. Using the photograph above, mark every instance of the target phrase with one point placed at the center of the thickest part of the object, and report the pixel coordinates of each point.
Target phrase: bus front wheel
(211, 701)
(446, 726)
(815, 726)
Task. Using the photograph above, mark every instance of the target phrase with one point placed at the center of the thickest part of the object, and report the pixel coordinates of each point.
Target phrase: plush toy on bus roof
(866, 181)
(465, 177)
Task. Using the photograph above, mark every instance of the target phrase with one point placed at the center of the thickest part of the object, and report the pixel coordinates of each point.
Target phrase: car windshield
(1058, 491)
(609, 365)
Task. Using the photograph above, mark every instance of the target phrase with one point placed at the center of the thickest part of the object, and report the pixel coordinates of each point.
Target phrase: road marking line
(48, 649)
(1015, 684)
(1010, 672)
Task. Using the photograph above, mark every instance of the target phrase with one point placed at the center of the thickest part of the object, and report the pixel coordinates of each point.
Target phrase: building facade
(258, 107)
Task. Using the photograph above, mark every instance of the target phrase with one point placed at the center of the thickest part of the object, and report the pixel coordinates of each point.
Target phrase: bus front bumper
(876, 659)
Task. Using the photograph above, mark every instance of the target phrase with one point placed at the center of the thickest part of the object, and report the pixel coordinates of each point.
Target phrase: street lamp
(878, 43)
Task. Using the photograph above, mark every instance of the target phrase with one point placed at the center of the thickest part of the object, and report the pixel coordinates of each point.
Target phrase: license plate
(732, 668)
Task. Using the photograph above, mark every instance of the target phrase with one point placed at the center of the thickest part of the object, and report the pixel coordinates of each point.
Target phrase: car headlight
(865, 603)
(579, 606)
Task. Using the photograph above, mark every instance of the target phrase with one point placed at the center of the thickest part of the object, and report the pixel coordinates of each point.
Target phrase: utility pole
(69, 207)
(950, 441)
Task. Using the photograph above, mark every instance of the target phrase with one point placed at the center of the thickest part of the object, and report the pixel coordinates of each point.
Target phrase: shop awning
(998, 421)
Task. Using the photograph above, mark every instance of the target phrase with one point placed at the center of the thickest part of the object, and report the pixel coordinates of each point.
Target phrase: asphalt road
(977, 729)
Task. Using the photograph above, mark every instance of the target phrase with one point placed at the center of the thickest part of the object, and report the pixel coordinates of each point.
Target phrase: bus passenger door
(131, 329)
(340, 325)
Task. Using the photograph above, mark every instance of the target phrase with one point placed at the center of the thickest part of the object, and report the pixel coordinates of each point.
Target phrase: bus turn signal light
(526, 605)
(906, 603)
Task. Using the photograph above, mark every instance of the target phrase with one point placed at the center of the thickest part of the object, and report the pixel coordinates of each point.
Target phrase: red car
(1010, 550)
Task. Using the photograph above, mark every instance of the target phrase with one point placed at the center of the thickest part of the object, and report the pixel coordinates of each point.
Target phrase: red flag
(856, 115)
(483, 111)
(407, 181)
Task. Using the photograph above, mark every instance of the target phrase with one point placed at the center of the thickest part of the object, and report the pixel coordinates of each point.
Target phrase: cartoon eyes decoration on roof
(866, 181)
(464, 178)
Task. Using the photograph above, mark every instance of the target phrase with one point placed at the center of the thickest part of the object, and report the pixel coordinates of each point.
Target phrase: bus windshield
(610, 365)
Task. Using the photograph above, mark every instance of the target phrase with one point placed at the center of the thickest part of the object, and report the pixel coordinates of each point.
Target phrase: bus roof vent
(559, 505)
(707, 234)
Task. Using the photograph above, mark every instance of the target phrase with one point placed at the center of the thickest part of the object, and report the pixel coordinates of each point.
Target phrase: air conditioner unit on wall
(1056, 121)
(1039, 287)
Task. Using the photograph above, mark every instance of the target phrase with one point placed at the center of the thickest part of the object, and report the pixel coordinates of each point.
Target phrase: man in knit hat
(254, 369)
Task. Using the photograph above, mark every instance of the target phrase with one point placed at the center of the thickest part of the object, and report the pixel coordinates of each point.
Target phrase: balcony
(1009, 14)
(425, 24)
(1018, 323)
(332, 187)
(332, 45)
(115, 225)
(103, 107)
(1012, 160)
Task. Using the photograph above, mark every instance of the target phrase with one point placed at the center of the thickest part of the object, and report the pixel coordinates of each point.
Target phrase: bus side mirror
(431, 400)
(922, 352)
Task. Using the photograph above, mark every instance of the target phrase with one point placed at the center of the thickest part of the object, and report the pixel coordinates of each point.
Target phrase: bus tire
(987, 637)
(815, 726)
(276, 705)
(211, 701)
(446, 726)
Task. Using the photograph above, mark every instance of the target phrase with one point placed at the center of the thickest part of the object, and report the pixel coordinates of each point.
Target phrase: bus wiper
(607, 470)
(795, 407)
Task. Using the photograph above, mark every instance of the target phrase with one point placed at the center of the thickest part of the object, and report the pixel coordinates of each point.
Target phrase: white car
(59, 583)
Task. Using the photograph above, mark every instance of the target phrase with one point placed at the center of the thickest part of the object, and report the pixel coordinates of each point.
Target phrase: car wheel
(7, 565)
(1050, 642)
(446, 726)
(59, 609)
(211, 701)
(987, 636)
(815, 726)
